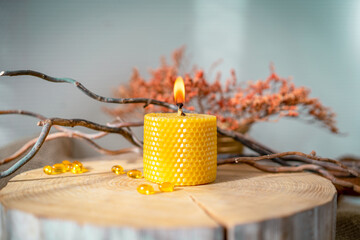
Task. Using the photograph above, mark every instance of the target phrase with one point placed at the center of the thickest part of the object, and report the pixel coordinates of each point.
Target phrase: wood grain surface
(243, 203)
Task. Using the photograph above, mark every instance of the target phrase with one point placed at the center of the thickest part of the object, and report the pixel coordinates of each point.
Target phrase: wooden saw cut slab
(243, 203)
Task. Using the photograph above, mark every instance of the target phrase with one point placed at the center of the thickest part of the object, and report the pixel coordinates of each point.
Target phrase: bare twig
(282, 154)
(95, 126)
(56, 135)
(71, 134)
(48, 123)
(41, 117)
(78, 133)
(336, 170)
(30, 114)
(87, 91)
(251, 144)
(299, 168)
(44, 132)
(23, 112)
(336, 166)
(113, 152)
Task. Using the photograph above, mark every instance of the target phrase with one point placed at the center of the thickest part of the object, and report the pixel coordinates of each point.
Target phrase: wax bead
(76, 169)
(78, 163)
(166, 187)
(145, 189)
(48, 170)
(134, 174)
(117, 169)
(67, 164)
(59, 168)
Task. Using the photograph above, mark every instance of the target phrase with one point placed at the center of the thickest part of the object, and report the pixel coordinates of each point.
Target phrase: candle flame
(179, 90)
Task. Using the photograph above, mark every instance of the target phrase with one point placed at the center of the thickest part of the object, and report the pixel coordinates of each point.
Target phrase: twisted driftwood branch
(94, 126)
(257, 147)
(290, 169)
(87, 137)
(48, 123)
(351, 171)
(41, 117)
(95, 96)
(56, 135)
(44, 132)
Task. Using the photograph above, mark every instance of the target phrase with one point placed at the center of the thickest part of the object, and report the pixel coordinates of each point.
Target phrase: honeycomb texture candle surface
(180, 149)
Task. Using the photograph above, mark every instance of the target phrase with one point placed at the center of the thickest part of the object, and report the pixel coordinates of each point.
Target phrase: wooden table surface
(243, 203)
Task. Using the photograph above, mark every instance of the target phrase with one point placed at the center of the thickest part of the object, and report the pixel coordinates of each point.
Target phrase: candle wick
(180, 110)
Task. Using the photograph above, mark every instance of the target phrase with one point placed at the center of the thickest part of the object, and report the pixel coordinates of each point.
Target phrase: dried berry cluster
(235, 104)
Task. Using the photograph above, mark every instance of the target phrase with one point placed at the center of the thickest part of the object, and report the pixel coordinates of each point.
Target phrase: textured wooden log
(243, 203)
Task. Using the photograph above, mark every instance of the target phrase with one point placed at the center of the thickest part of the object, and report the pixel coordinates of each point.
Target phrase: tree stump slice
(243, 203)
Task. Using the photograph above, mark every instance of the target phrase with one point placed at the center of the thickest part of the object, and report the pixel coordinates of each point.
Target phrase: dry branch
(44, 132)
(262, 150)
(353, 172)
(41, 117)
(291, 169)
(87, 91)
(48, 123)
(87, 137)
(94, 126)
(56, 135)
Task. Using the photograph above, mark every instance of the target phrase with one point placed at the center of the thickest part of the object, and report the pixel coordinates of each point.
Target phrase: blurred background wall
(99, 42)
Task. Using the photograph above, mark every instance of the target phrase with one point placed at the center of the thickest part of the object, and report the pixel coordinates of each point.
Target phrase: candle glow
(179, 90)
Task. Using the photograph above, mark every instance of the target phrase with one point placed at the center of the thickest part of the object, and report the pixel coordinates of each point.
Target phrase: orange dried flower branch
(235, 104)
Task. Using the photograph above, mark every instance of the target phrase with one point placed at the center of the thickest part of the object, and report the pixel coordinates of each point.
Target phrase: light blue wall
(98, 43)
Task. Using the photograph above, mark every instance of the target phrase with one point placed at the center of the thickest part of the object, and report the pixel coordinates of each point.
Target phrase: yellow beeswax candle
(180, 149)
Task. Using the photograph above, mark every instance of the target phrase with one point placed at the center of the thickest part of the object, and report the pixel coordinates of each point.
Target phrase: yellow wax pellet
(67, 164)
(48, 170)
(134, 174)
(76, 169)
(166, 187)
(78, 163)
(59, 168)
(117, 169)
(145, 189)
